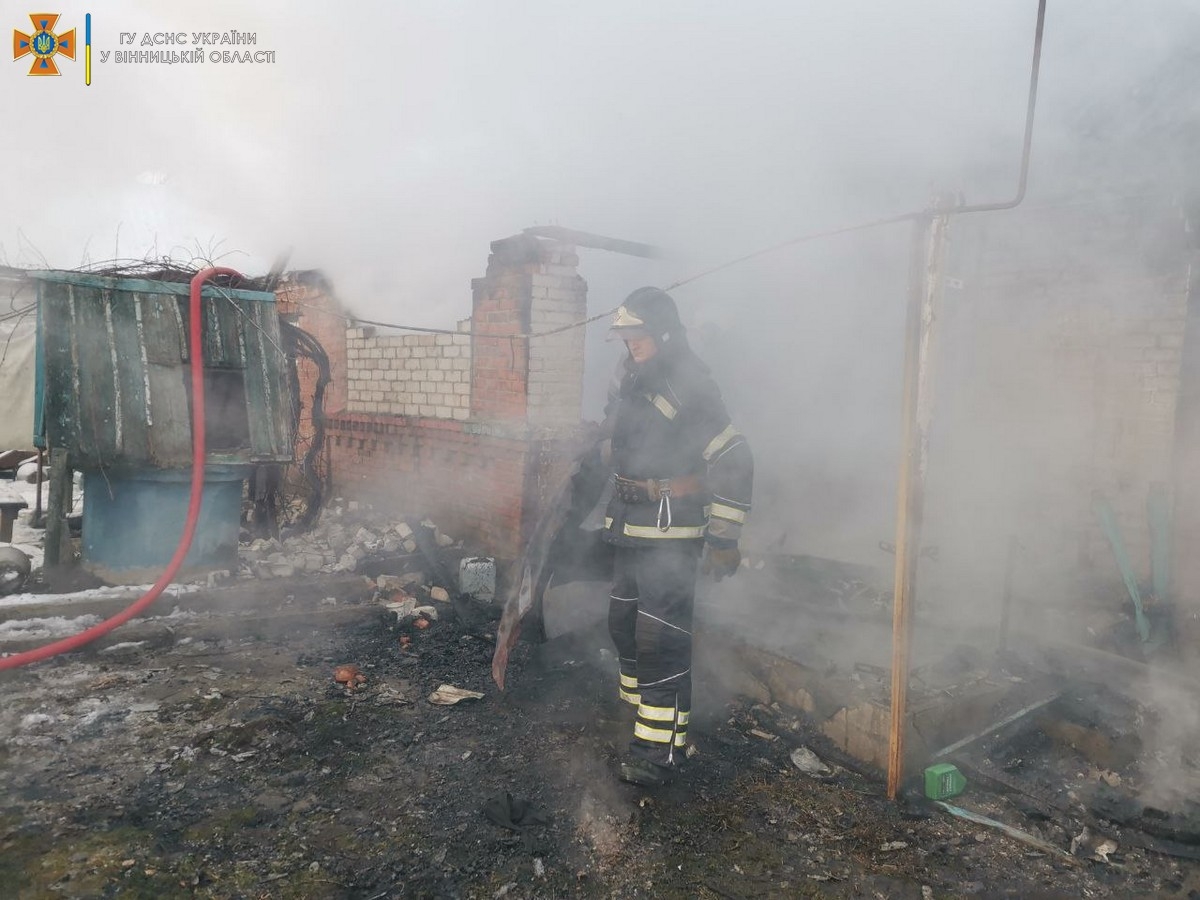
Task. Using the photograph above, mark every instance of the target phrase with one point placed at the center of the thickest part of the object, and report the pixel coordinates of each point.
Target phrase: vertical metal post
(58, 507)
(925, 281)
(37, 504)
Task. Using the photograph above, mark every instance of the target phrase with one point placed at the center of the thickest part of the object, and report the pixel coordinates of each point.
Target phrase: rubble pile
(411, 564)
(348, 538)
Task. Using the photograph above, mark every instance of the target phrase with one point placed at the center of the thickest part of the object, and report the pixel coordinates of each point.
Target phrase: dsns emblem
(44, 44)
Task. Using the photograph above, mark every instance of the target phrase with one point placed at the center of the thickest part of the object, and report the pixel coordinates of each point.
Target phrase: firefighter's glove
(721, 562)
(631, 491)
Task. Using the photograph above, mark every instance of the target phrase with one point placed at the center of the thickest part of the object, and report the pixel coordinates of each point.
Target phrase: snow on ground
(50, 628)
(26, 538)
(115, 592)
(45, 628)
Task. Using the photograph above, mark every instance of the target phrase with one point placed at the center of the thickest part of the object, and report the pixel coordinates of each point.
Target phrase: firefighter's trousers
(650, 619)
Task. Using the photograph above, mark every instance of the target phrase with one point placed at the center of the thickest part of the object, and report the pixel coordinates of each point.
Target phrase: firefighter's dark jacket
(667, 420)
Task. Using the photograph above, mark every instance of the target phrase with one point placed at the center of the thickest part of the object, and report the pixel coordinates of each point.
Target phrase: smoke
(390, 147)
(390, 144)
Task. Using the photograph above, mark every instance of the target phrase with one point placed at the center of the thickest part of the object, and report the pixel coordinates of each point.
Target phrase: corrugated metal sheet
(115, 386)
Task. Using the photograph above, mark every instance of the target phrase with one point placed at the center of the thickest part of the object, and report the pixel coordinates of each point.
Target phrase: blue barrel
(132, 522)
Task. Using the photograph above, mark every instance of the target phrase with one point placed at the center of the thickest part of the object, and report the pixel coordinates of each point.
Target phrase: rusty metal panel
(116, 384)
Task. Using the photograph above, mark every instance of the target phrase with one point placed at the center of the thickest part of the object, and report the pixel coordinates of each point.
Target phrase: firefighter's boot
(644, 773)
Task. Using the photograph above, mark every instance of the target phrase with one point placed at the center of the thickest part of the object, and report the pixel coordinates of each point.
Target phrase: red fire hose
(193, 513)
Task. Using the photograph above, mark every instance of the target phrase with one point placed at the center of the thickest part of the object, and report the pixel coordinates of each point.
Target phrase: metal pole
(925, 278)
(929, 234)
(1030, 108)
(37, 505)
(58, 507)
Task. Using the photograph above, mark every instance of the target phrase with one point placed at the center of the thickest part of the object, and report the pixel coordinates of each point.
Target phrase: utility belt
(660, 491)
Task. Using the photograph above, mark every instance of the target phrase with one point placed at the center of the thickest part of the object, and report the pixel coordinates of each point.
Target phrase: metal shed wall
(113, 358)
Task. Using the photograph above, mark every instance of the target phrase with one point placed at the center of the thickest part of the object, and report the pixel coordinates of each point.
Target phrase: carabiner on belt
(664, 503)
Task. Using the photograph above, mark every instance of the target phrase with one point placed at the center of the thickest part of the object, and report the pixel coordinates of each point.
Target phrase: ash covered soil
(236, 767)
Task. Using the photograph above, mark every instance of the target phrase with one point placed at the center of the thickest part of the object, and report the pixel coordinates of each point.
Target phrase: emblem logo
(44, 44)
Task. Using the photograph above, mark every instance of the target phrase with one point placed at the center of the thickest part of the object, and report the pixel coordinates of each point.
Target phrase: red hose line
(193, 514)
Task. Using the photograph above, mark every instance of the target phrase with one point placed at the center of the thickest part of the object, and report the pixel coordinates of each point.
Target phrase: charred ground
(234, 766)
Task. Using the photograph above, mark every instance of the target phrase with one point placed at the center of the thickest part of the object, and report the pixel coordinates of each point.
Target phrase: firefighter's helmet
(648, 312)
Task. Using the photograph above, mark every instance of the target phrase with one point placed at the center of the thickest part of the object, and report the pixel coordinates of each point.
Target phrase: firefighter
(683, 478)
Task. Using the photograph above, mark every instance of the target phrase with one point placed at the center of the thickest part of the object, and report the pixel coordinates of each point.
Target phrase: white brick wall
(409, 374)
(556, 362)
(430, 374)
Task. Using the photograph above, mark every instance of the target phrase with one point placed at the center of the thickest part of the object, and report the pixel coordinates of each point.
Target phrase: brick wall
(469, 477)
(408, 375)
(530, 286)
(558, 297)
(499, 360)
(467, 429)
(308, 299)
(1060, 348)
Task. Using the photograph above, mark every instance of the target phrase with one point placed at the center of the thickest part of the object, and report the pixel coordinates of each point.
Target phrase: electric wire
(1030, 109)
(529, 335)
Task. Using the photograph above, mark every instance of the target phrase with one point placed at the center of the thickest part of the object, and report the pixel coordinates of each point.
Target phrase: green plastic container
(943, 781)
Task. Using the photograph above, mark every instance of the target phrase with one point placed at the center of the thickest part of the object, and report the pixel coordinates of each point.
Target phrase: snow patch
(115, 592)
(45, 628)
